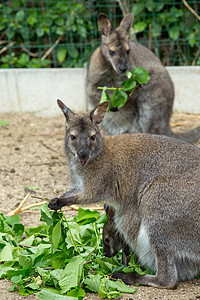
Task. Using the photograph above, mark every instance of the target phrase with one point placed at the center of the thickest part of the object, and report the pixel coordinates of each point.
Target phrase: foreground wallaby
(152, 181)
(112, 240)
(149, 108)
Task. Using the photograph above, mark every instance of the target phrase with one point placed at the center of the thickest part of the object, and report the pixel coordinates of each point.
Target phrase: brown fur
(149, 108)
(153, 183)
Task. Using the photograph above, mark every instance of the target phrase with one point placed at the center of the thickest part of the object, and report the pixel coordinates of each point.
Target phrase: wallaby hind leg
(166, 276)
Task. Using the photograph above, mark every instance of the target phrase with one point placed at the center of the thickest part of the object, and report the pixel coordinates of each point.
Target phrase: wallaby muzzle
(83, 155)
(83, 151)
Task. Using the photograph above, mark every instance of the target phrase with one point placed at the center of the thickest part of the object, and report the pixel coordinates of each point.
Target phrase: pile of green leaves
(136, 77)
(60, 259)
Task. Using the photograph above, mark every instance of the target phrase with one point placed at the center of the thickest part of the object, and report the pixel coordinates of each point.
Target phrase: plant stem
(70, 232)
(97, 243)
(109, 88)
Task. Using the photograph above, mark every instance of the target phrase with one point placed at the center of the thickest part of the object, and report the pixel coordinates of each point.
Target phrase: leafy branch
(45, 259)
(136, 77)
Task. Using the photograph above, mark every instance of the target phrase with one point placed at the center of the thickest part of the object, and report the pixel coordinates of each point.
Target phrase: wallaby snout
(123, 68)
(83, 153)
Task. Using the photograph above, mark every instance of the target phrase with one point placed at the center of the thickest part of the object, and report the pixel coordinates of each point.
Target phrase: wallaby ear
(98, 113)
(127, 21)
(110, 211)
(66, 111)
(104, 24)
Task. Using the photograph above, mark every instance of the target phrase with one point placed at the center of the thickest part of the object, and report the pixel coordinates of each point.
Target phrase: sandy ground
(32, 155)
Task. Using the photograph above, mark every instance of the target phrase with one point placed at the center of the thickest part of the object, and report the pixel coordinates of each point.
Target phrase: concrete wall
(187, 89)
(36, 90)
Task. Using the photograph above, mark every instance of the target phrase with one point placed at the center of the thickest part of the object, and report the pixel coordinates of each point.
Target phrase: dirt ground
(32, 155)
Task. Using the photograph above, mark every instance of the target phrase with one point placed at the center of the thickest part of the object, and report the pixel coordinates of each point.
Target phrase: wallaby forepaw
(127, 278)
(54, 204)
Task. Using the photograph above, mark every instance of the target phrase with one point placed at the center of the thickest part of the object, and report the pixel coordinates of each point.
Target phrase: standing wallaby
(112, 240)
(153, 183)
(149, 108)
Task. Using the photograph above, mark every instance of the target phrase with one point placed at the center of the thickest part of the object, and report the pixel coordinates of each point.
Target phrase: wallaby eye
(107, 240)
(112, 53)
(72, 137)
(93, 137)
(128, 51)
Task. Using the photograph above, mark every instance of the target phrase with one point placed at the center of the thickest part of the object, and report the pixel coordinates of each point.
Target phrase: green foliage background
(49, 33)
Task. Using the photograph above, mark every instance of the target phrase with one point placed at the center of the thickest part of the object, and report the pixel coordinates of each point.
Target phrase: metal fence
(64, 33)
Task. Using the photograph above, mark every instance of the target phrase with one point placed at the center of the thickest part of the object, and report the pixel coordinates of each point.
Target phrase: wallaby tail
(191, 136)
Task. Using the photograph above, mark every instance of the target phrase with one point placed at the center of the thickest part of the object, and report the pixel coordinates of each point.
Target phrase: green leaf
(93, 282)
(16, 279)
(45, 274)
(18, 228)
(56, 276)
(141, 75)
(174, 32)
(138, 8)
(72, 274)
(77, 292)
(60, 21)
(56, 235)
(119, 286)
(128, 74)
(156, 29)
(45, 294)
(191, 38)
(28, 241)
(4, 123)
(82, 31)
(33, 187)
(139, 27)
(13, 220)
(103, 218)
(40, 31)
(128, 84)
(7, 253)
(139, 270)
(61, 54)
(32, 20)
(87, 232)
(25, 261)
(102, 290)
(73, 236)
(106, 265)
(103, 95)
(119, 98)
(153, 5)
(12, 288)
(33, 286)
(19, 17)
(45, 214)
(86, 216)
(73, 52)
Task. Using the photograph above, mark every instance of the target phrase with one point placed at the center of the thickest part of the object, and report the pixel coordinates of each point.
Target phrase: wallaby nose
(123, 68)
(83, 153)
